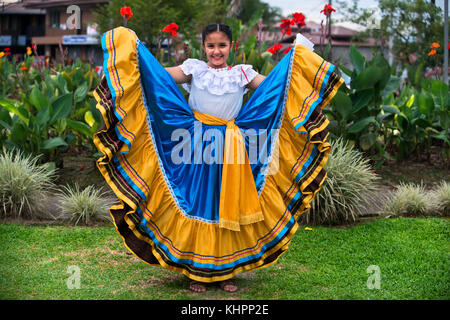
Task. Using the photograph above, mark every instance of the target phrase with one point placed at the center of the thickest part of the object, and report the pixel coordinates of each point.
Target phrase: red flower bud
(171, 28)
(275, 48)
(126, 12)
(327, 10)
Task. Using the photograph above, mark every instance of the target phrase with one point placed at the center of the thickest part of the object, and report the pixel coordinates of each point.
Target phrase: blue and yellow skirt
(181, 206)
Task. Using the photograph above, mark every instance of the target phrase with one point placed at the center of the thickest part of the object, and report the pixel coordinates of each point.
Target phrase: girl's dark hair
(217, 27)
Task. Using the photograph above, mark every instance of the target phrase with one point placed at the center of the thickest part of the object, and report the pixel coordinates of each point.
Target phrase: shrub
(349, 185)
(441, 198)
(89, 204)
(410, 199)
(23, 184)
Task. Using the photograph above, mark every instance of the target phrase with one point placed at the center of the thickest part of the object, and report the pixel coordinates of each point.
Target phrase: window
(54, 19)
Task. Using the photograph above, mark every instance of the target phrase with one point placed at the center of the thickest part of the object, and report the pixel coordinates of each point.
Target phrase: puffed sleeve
(247, 74)
(191, 67)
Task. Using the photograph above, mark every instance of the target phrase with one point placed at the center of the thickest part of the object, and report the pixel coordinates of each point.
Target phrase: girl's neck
(218, 68)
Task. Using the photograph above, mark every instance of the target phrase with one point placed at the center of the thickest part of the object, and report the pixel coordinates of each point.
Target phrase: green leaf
(43, 116)
(421, 123)
(61, 108)
(391, 109)
(253, 58)
(89, 118)
(4, 115)
(37, 99)
(361, 124)
(80, 127)
(81, 92)
(442, 136)
(361, 98)
(357, 59)
(343, 104)
(410, 101)
(367, 78)
(21, 112)
(18, 132)
(440, 90)
(366, 141)
(391, 86)
(426, 104)
(345, 70)
(5, 125)
(53, 143)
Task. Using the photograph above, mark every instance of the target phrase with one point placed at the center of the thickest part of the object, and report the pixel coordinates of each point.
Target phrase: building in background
(341, 39)
(58, 28)
(63, 35)
(18, 25)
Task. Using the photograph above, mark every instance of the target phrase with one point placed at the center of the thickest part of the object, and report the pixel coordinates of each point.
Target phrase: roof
(340, 36)
(59, 3)
(19, 8)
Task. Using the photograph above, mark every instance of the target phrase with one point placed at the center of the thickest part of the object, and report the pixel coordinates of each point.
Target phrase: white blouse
(218, 92)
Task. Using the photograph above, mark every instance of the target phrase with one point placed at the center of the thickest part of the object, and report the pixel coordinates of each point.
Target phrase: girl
(178, 209)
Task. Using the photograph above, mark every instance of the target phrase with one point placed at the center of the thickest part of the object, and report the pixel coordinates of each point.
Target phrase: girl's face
(217, 47)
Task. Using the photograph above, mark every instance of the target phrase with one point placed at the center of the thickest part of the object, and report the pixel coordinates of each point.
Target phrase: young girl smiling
(211, 221)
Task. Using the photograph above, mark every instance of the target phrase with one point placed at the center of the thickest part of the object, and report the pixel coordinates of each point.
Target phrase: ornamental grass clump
(410, 200)
(87, 205)
(350, 185)
(440, 196)
(24, 184)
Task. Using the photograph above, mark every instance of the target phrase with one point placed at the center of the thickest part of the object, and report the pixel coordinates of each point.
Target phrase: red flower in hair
(299, 19)
(274, 49)
(327, 10)
(286, 26)
(171, 28)
(126, 12)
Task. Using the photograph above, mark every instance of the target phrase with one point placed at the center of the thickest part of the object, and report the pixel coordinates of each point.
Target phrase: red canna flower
(171, 28)
(97, 69)
(23, 68)
(299, 19)
(274, 49)
(434, 45)
(327, 10)
(236, 48)
(126, 12)
(286, 26)
(432, 52)
(287, 50)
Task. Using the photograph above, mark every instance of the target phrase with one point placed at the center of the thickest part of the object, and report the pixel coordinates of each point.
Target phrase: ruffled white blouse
(218, 92)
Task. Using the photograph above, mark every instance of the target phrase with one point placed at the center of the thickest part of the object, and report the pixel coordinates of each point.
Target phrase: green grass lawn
(325, 263)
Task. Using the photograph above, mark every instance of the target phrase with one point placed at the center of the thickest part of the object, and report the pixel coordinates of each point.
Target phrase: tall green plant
(354, 110)
(50, 110)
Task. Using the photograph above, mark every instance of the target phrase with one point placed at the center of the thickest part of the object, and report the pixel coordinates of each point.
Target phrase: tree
(412, 26)
(149, 17)
(270, 15)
